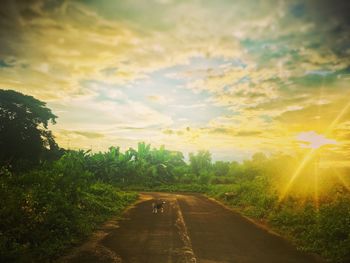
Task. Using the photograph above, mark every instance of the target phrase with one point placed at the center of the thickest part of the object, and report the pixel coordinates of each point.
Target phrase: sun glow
(313, 140)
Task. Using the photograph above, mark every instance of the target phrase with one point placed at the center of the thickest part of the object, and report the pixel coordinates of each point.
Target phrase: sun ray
(301, 166)
(311, 153)
(319, 104)
(316, 186)
(337, 119)
(341, 179)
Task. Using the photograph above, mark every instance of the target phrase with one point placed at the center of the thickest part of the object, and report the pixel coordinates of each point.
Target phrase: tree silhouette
(24, 136)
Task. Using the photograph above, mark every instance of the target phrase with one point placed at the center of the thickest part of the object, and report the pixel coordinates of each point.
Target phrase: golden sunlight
(313, 141)
(107, 104)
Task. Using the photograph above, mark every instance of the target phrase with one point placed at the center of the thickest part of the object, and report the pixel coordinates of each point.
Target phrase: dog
(158, 205)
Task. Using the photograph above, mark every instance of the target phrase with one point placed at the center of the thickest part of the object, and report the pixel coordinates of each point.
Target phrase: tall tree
(24, 134)
(200, 163)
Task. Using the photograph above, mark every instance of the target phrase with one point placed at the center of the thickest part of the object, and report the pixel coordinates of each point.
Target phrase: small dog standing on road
(158, 205)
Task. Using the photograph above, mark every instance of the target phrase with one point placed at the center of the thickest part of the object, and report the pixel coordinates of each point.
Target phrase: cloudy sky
(234, 77)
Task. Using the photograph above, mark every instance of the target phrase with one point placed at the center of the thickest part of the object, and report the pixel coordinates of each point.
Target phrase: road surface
(191, 229)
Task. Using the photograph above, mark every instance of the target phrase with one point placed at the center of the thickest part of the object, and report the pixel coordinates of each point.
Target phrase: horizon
(232, 78)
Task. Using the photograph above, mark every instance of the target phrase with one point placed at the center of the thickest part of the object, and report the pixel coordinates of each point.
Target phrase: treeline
(58, 203)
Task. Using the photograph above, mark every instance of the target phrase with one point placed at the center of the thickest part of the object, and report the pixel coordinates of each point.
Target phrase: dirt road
(191, 229)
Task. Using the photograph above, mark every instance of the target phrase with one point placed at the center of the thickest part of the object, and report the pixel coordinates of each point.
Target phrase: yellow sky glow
(234, 77)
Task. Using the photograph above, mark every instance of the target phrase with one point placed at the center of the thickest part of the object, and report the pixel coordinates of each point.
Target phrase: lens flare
(313, 141)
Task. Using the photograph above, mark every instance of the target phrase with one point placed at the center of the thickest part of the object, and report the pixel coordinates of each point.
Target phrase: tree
(200, 163)
(259, 157)
(234, 169)
(221, 168)
(23, 128)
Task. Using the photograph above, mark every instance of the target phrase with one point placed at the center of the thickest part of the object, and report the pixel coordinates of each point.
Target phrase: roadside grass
(43, 212)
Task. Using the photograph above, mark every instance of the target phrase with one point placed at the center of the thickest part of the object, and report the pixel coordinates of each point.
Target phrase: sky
(232, 77)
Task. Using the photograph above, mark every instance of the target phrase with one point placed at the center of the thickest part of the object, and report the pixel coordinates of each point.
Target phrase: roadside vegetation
(52, 198)
(317, 224)
(49, 209)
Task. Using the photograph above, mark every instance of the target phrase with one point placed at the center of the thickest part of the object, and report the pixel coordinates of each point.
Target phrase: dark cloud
(86, 134)
(15, 16)
(220, 131)
(168, 131)
(233, 132)
(248, 133)
(320, 78)
(90, 135)
(315, 80)
(4, 64)
(332, 9)
(52, 5)
(298, 9)
(332, 22)
(150, 14)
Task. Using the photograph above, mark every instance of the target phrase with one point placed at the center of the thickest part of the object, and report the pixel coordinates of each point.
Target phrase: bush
(44, 211)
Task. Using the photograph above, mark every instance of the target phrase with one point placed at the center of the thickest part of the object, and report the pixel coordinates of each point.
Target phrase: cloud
(85, 134)
(248, 133)
(158, 99)
(193, 106)
(244, 75)
(106, 114)
(313, 140)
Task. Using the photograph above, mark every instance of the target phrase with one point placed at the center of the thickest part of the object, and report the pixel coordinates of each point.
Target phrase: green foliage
(221, 168)
(187, 188)
(324, 229)
(249, 187)
(24, 137)
(200, 163)
(48, 209)
(44, 211)
(146, 167)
